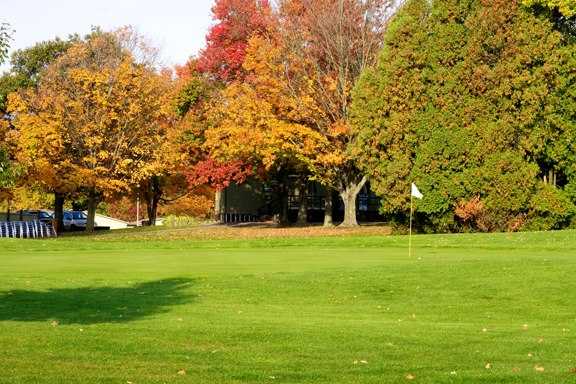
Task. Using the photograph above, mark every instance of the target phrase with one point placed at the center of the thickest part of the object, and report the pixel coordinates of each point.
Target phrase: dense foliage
(236, 22)
(473, 100)
(6, 168)
(289, 111)
(94, 121)
(565, 7)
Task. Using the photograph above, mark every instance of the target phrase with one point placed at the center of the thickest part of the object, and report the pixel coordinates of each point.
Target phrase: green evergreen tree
(474, 101)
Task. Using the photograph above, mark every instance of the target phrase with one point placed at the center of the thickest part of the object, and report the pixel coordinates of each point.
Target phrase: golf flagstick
(410, 235)
(414, 193)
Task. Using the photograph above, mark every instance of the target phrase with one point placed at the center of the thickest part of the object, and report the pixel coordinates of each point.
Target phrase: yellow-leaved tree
(293, 103)
(96, 119)
(259, 122)
(327, 44)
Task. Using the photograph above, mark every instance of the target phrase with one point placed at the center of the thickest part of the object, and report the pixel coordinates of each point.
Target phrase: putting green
(464, 309)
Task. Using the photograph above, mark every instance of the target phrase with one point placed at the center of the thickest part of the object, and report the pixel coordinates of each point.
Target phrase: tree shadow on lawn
(94, 305)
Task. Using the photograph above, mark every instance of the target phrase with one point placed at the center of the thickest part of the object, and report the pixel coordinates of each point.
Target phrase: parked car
(75, 219)
(40, 215)
(45, 216)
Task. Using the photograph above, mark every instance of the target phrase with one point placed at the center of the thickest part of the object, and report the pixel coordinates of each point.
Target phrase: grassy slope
(289, 310)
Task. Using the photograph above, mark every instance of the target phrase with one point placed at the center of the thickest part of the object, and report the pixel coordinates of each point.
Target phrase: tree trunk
(284, 220)
(152, 209)
(218, 201)
(8, 211)
(58, 212)
(303, 204)
(153, 196)
(349, 194)
(93, 201)
(328, 220)
(284, 197)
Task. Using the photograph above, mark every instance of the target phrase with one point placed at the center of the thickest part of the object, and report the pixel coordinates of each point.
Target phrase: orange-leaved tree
(259, 122)
(202, 79)
(236, 22)
(328, 45)
(94, 120)
(291, 106)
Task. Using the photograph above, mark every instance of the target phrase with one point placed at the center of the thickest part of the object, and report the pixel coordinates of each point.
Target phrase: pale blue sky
(178, 27)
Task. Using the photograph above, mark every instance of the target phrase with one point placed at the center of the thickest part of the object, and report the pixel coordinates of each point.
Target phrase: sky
(177, 27)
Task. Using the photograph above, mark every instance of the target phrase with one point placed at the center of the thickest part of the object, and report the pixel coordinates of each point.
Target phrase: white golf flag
(416, 193)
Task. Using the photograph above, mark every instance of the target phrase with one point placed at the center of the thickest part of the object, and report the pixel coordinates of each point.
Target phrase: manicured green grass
(464, 309)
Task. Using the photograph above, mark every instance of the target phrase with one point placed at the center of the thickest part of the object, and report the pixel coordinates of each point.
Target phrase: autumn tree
(297, 81)
(259, 123)
(326, 45)
(474, 101)
(202, 81)
(26, 65)
(197, 97)
(566, 7)
(7, 174)
(236, 22)
(93, 120)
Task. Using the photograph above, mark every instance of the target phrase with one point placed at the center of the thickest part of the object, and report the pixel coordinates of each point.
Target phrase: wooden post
(138, 206)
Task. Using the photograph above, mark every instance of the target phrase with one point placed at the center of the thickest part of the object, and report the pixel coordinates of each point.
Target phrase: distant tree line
(473, 100)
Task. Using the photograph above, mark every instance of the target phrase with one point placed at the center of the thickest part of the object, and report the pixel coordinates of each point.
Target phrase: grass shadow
(94, 305)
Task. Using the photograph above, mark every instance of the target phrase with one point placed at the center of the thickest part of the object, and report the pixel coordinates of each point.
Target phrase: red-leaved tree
(236, 22)
(218, 175)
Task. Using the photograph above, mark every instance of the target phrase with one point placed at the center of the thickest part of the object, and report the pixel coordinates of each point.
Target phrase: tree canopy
(566, 7)
(236, 22)
(473, 100)
(289, 110)
(93, 121)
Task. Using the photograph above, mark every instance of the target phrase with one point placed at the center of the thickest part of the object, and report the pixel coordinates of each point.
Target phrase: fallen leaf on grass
(182, 372)
(488, 366)
(54, 323)
(539, 368)
(410, 376)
